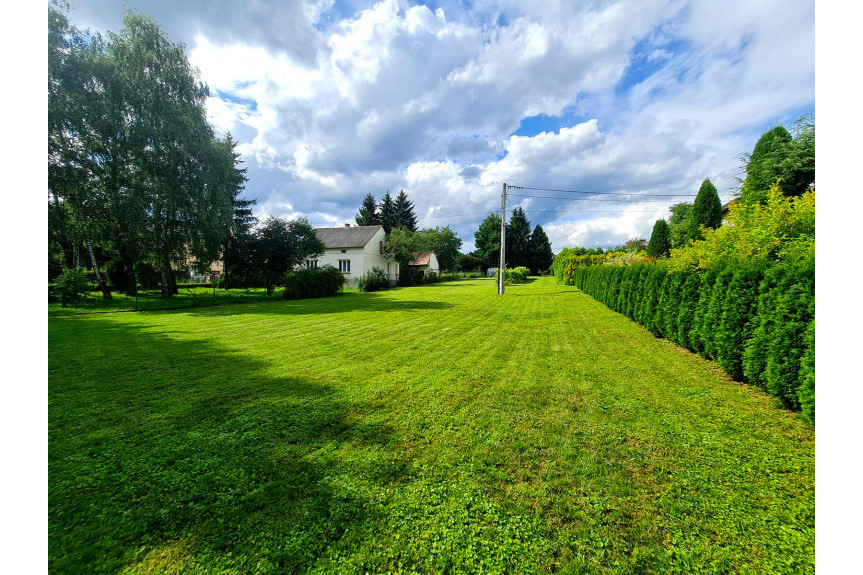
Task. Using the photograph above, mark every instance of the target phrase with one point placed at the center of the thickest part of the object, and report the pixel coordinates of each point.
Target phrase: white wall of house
(361, 260)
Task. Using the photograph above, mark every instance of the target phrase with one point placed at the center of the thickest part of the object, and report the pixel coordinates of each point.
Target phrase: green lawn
(437, 429)
(93, 301)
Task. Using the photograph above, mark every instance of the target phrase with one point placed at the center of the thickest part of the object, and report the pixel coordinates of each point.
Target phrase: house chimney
(347, 225)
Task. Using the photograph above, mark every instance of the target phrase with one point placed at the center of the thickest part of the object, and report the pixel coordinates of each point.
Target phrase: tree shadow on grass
(166, 454)
(342, 303)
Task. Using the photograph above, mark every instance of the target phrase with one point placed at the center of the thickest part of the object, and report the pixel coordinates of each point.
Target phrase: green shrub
(431, 278)
(375, 279)
(513, 276)
(806, 391)
(325, 281)
(737, 321)
(708, 281)
(148, 277)
(686, 313)
(669, 304)
(70, 285)
(713, 314)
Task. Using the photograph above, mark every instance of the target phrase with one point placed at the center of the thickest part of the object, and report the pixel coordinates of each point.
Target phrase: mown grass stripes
(440, 429)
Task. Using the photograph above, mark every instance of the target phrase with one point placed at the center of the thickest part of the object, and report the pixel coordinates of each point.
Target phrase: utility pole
(502, 268)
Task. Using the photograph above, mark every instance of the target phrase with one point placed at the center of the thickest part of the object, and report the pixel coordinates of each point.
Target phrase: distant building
(354, 251)
(425, 262)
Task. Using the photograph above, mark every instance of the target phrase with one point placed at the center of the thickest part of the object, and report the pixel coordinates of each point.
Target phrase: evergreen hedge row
(755, 319)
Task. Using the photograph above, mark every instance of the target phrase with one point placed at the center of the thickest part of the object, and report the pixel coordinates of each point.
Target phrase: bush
(431, 278)
(325, 281)
(375, 280)
(148, 277)
(513, 276)
(70, 284)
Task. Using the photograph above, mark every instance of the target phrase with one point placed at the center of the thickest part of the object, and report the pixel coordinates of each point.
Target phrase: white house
(425, 262)
(354, 251)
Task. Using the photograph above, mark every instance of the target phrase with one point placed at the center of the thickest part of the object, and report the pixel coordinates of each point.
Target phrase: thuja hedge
(755, 319)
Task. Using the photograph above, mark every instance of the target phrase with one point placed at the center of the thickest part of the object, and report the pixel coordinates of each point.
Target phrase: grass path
(440, 429)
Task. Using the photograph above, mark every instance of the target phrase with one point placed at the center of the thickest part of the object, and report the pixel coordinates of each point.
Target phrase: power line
(598, 193)
(579, 199)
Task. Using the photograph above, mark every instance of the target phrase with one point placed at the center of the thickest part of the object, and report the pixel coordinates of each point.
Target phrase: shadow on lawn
(175, 451)
(342, 303)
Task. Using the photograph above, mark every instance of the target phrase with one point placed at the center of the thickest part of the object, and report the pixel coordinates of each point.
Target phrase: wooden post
(502, 269)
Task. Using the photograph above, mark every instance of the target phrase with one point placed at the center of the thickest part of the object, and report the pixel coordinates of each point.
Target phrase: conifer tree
(405, 216)
(387, 213)
(539, 249)
(368, 215)
(517, 239)
(706, 211)
(659, 245)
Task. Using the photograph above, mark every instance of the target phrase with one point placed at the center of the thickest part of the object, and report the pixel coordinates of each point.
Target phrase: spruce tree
(659, 245)
(706, 211)
(405, 216)
(368, 215)
(387, 213)
(517, 239)
(539, 248)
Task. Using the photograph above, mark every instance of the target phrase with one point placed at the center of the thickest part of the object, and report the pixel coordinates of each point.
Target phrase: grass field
(438, 429)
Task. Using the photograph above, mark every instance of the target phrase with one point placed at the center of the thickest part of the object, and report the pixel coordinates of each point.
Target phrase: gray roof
(352, 237)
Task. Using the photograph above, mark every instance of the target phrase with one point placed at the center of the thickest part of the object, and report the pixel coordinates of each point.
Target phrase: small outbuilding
(425, 262)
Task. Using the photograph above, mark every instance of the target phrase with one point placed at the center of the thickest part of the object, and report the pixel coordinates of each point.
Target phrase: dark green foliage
(307, 283)
(375, 279)
(648, 307)
(806, 391)
(659, 245)
(713, 314)
(735, 325)
(669, 305)
(777, 156)
(147, 276)
(445, 244)
(118, 275)
(281, 245)
(686, 313)
(794, 311)
(431, 278)
(695, 341)
(70, 284)
(540, 255)
(706, 211)
(404, 209)
(487, 241)
(518, 239)
(368, 215)
(387, 216)
(765, 164)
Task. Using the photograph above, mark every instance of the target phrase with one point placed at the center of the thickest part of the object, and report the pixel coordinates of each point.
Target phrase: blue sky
(447, 100)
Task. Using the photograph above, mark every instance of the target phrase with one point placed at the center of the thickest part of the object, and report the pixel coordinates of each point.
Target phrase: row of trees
(525, 247)
(777, 159)
(389, 213)
(135, 172)
(742, 293)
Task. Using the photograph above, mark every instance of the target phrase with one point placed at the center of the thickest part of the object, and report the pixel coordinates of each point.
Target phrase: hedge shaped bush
(325, 281)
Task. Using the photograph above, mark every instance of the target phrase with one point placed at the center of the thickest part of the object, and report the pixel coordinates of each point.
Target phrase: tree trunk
(165, 270)
(106, 293)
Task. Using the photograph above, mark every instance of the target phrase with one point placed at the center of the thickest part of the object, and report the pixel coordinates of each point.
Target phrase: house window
(344, 251)
(345, 266)
(310, 264)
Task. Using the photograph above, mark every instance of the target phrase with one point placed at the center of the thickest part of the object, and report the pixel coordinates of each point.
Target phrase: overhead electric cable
(599, 193)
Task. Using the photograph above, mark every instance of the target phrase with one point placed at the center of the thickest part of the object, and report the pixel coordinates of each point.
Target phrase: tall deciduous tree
(405, 216)
(445, 244)
(368, 215)
(487, 241)
(387, 213)
(280, 245)
(706, 210)
(539, 248)
(659, 245)
(131, 156)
